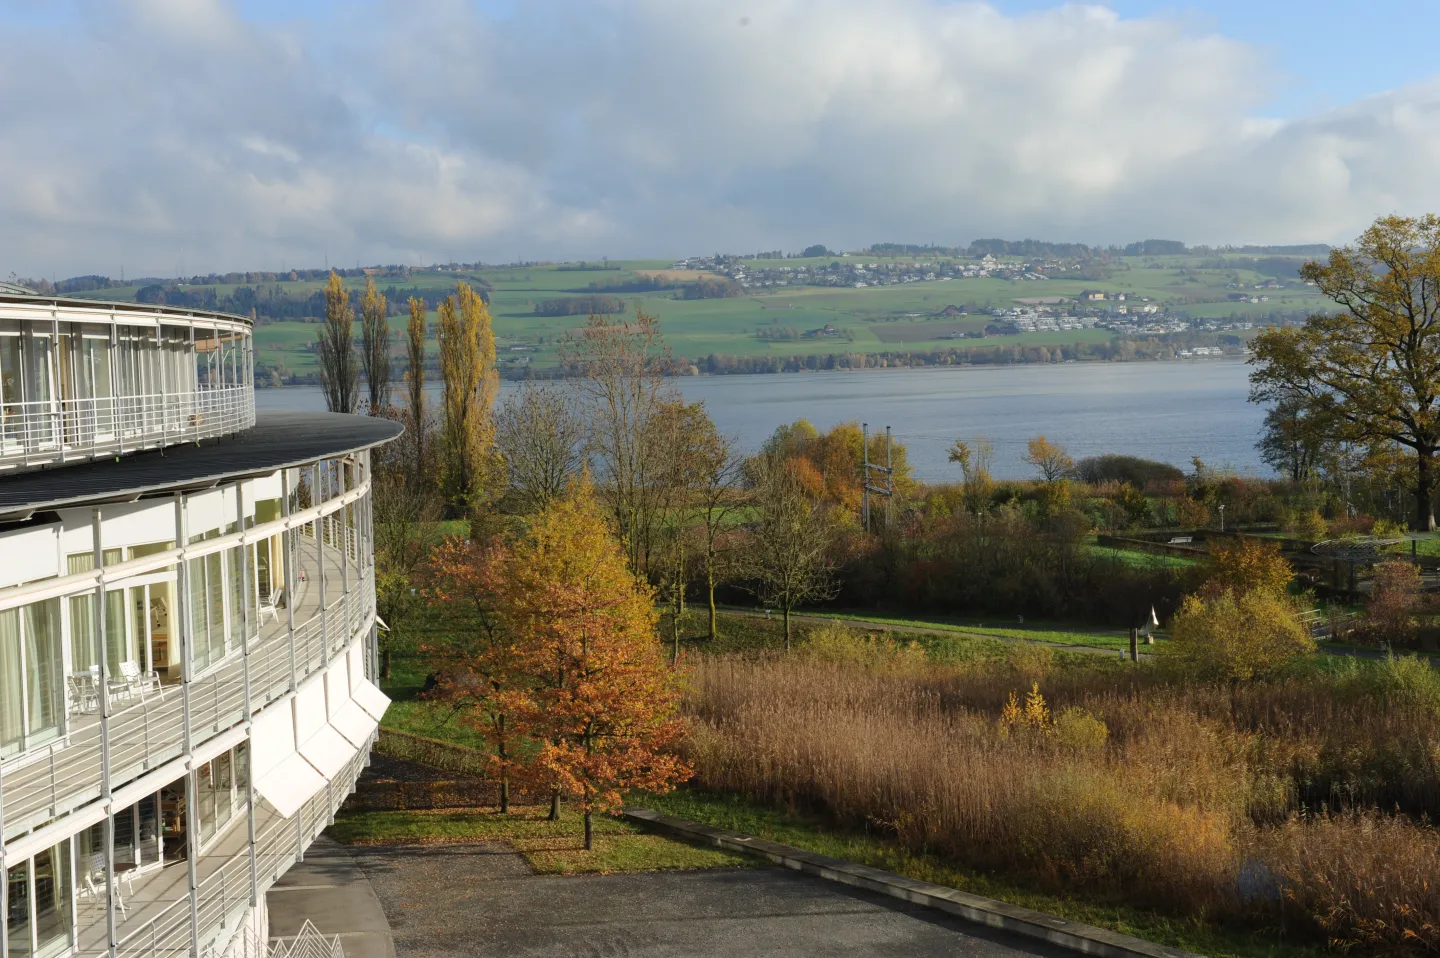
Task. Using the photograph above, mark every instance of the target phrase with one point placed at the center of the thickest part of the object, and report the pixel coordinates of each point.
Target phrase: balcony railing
(143, 735)
(41, 433)
(157, 923)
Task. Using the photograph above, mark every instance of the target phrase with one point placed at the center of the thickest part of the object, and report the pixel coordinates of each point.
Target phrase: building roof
(278, 440)
(10, 293)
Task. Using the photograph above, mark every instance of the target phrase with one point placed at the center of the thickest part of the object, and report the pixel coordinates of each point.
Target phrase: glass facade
(74, 388)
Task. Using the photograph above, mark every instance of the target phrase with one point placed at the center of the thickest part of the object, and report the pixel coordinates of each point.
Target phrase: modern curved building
(187, 629)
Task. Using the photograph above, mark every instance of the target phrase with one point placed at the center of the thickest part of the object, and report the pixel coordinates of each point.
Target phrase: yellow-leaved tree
(467, 368)
(582, 630)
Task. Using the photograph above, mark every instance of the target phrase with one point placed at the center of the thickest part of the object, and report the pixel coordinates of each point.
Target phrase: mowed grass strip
(551, 848)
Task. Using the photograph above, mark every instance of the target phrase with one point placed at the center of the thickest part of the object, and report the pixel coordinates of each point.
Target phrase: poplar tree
(339, 371)
(375, 347)
(467, 369)
(415, 375)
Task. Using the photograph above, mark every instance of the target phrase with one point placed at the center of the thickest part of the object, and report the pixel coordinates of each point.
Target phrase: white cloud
(174, 133)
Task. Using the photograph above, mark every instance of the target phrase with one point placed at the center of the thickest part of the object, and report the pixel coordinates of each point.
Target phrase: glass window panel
(12, 703)
(147, 843)
(44, 679)
(17, 911)
(82, 632)
(199, 617)
(52, 900)
(215, 605)
(12, 392)
(118, 646)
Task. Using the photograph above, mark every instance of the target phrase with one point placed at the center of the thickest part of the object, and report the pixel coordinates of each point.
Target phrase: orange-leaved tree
(488, 686)
(600, 698)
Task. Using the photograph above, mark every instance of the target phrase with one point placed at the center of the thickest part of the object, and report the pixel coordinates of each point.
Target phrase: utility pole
(886, 475)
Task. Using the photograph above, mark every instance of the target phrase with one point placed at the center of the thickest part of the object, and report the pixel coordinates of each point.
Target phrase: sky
(164, 137)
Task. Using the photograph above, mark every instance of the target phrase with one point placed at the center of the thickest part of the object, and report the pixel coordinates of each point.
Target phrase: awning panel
(290, 785)
(370, 699)
(354, 723)
(328, 751)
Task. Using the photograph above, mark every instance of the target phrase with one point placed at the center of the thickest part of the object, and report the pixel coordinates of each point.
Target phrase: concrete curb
(1073, 935)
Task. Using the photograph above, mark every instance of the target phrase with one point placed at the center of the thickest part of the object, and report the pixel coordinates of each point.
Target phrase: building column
(248, 582)
(289, 549)
(103, 674)
(187, 674)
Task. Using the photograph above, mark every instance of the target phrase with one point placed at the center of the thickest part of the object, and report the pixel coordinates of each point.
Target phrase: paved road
(330, 890)
(483, 900)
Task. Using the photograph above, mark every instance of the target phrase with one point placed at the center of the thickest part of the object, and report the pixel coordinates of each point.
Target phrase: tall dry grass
(1135, 784)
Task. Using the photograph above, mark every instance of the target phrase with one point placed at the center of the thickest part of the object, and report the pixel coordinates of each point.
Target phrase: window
(222, 786)
(31, 679)
(38, 918)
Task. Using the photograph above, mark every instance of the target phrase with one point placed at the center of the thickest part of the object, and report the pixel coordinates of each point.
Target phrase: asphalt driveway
(483, 899)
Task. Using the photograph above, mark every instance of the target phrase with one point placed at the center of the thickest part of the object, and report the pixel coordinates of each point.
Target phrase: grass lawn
(811, 834)
(1135, 559)
(551, 848)
(1052, 632)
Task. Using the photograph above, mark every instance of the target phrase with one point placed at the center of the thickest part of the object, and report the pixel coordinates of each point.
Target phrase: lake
(1168, 411)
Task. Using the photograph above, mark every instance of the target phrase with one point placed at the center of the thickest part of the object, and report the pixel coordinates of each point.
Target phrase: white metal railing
(40, 433)
(144, 735)
(223, 888)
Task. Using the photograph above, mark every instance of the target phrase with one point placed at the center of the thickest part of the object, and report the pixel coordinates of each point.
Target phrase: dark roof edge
(117, 306)
(175, 474)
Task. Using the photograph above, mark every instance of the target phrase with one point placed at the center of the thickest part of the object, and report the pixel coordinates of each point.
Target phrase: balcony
(146, 733)
(49, 433)
(157, 918)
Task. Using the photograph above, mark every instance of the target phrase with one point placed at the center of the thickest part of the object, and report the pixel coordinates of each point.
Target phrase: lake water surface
(1169, 411)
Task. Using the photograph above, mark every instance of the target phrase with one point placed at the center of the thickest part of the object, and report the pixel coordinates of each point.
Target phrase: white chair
(271, 606)
(84, 695)
(139, 682)
(92, 884)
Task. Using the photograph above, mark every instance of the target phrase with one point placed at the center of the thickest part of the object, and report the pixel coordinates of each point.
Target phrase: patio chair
(271, 606)
(139, 682)
(83, 692)
(92, 884)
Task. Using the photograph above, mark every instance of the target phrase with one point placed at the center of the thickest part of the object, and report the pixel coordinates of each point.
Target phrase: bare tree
(788, 559)
(542, 442)
(623, 363)
(375, 347)
(407, 530)
(339, 372)
(718, 498)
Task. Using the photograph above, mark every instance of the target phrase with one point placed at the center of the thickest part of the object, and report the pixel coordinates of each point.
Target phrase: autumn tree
(623, 363)
(488, 686)
(1241, 565)
(1396, 600)
(335, 349)
(1372, 368)
(375, 346)
(975, 459)
(1239, 636)
(1050, 460)
(541, 441)
(788, 557)
(583, 626)
(467, 369)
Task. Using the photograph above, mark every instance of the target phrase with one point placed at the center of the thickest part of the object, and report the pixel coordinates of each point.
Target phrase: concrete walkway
(483, 900)
(330, 890)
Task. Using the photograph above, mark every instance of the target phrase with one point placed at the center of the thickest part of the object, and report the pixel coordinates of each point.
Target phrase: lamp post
(1222, 517)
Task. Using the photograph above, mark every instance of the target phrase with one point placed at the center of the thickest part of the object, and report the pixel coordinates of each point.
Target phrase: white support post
(320, 561)
(103, 674)
(5, 878)
(245, 599)
(187, 674)
(288, 538)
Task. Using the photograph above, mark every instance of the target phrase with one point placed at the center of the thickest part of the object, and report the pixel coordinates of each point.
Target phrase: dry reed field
(1299, 803)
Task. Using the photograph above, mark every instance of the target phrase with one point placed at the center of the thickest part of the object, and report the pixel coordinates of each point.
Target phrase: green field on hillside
(772, 321)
